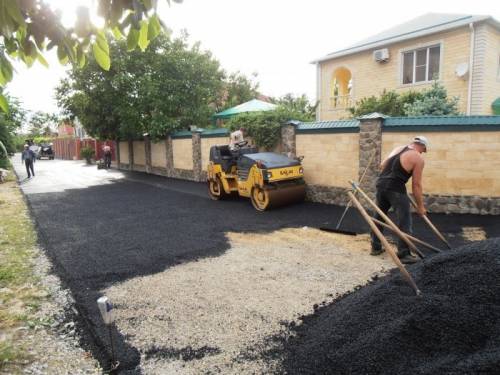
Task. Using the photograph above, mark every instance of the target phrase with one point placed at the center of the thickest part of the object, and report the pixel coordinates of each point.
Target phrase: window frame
(414, 49)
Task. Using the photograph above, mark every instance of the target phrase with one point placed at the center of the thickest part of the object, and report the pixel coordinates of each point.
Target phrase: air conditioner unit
(381, 55)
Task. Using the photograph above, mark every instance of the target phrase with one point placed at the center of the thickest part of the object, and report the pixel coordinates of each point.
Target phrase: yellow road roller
(267, 178)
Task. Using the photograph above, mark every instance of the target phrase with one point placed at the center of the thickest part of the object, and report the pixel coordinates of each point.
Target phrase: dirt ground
(214, 315)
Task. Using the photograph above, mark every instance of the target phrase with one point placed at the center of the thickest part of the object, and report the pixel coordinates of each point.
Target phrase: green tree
(42, 124)
(298, 104)
(168, 87)
(30, 27)
(11, 122)
(237, 88)
(433, 102)
(265, 127)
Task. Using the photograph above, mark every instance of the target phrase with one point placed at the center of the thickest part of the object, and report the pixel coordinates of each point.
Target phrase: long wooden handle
(423, 243)
(429, 223)
(349, 204)
(395, 228)
(390, 250)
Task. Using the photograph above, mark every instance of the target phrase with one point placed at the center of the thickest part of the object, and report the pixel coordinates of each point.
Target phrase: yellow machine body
(268, 179)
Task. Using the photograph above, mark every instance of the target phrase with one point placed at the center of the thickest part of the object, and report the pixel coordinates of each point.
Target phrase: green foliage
(236, 89)
(433, 102)
(389, 103)
(87, 153)
(430, 102)
(29, 27)
(42, 124)
(298, 104)
(265, 127)
(166, 88)
(4, 157)
(10, 122)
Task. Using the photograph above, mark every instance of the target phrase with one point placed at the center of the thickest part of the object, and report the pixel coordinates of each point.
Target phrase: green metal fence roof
(219, 132)
(442, 121)
(328, 126)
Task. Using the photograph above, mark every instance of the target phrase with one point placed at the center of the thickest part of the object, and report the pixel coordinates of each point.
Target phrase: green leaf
(6, 69)
(42, 60)
(4, 105)
(101, 56)
(117, 33)
(154, 28)
(80, 57)
(102, 41)
(14, 11)
(62, 55)
(148, 4)
(132, 39)
(143, 41)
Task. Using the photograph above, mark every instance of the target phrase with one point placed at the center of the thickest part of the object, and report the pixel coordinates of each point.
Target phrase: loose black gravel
(383, 328)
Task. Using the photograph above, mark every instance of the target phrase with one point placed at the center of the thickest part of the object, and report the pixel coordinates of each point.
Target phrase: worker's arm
(393, 152)
(417, 188)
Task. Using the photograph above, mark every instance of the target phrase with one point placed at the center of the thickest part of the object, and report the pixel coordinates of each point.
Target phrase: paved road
(100, 227)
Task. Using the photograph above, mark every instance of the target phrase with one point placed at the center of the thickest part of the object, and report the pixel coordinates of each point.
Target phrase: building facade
(462, 52)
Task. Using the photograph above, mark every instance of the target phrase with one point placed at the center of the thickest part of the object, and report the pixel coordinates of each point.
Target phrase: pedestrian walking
(28, 157)
(107, 156)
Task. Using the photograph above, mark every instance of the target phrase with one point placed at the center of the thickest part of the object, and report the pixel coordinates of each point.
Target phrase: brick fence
(462, 172)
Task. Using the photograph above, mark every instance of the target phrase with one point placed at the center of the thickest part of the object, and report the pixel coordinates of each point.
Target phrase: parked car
(45, 151)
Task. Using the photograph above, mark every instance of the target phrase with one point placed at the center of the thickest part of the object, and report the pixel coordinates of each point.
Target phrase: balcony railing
(341, 102)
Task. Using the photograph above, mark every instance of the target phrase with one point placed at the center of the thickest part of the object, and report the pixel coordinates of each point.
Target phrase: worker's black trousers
(401, 206)
(29, 168)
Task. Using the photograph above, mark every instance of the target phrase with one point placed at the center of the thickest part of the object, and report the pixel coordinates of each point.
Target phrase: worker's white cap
(422, 140)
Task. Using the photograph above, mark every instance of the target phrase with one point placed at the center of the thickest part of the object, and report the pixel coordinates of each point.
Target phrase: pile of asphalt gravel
(383, 328)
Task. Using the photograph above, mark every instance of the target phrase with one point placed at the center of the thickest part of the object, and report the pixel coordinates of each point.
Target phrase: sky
(277, 39)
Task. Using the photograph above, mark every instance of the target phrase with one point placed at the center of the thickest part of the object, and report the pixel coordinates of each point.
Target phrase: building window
(421, 65)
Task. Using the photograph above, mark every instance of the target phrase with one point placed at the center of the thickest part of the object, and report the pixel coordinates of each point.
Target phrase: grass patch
(20, 295)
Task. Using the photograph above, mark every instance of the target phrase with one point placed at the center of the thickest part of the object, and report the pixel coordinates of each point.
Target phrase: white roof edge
(411, 35)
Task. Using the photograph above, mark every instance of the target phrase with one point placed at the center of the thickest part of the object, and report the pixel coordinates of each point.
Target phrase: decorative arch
(340, 88)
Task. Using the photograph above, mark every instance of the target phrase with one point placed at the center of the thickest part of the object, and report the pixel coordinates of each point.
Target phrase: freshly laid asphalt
(102, 227)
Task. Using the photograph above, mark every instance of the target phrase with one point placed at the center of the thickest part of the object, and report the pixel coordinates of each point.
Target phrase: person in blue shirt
(28, 157)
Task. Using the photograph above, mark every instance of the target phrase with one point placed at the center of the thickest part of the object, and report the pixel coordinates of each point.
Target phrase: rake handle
(429, 223)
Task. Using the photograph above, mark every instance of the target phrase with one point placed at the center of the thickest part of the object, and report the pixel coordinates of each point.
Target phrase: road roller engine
(267, 178)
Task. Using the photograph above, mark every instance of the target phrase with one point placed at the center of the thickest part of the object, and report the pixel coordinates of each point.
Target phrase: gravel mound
(383, 328)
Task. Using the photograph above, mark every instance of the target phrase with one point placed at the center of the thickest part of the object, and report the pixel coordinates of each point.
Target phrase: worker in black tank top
(391, 192)
(394, 177)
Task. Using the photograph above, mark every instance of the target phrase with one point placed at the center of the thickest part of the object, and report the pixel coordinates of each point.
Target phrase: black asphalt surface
(143, 224)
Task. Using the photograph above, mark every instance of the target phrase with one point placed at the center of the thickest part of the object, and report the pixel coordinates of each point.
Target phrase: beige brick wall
(491, 71)
(158, 154)
(139, 153)
(371, 78)
(206, 143)
(183, 153)
(460, 163)
(329, 159)
(124, 158)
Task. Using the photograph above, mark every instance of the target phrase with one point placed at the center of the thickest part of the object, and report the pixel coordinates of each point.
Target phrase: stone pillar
(288, 139)
(197, 168)
(147, 151)
(370, 148)
(169, 156)
(131, 155)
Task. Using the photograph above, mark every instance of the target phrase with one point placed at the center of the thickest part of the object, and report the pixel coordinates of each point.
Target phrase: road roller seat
(222, 155)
